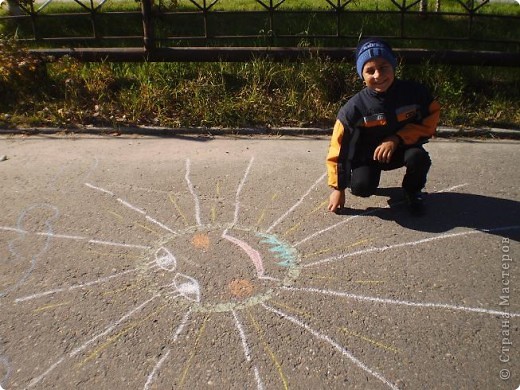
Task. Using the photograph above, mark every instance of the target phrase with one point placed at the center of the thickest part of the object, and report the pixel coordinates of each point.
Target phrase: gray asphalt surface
(200, 262)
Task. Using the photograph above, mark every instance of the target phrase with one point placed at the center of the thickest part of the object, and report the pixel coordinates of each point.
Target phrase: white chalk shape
(187, 287)
(165, 260)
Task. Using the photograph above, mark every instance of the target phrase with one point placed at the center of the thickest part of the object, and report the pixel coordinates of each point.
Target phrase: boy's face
(378, 74)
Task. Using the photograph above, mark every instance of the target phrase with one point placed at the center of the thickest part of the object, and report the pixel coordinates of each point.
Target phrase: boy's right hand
(336, 200)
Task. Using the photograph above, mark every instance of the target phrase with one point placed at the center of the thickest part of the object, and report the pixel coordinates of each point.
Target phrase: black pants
(366, 175)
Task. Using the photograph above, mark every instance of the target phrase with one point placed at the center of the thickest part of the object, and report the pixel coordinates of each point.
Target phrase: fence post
(148, 30)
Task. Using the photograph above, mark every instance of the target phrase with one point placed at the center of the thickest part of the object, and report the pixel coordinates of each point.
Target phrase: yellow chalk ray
(344, 329)
(292, 229)
(94, 354)
(319, 207)
(193, 353)
(218, 188)
(376, 343)
(148, 229)
(260, 218)
(269, 351)
(326, 250)
(115, 254)
(53, 306)
(213, 213)
(172, 199)
(296, 226)
(292, 309)
(118, 216)
(123, 289)
(262, 213)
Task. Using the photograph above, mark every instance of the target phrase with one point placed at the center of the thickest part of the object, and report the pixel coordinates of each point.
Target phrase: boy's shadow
(445, 211)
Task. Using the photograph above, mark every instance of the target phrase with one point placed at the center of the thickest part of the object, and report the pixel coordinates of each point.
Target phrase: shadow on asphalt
(448, 210)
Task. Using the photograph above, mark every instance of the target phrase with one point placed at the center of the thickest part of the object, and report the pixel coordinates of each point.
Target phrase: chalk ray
(156, 369)
(333, 343)
(191, 188)
(75, 238)
(368, 212)
(294, 206)
(7, 368)
(81, 348)
(160, 362)
(434, 305)
(21, 229)
(239, 190)
(247, 352)
(75, 286)
(409, 243)
(182, 325)
(132, 207)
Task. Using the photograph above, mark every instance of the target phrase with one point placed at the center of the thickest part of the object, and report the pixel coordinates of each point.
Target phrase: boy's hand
(386, 149)
(336, 200)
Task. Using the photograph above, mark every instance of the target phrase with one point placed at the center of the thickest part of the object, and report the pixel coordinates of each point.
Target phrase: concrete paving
(194, 262)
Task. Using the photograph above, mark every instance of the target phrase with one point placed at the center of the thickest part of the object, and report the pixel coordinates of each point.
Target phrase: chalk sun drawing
(207, 276)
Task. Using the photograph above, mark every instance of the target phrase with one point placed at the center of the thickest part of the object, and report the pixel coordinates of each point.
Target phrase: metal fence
(206, 30)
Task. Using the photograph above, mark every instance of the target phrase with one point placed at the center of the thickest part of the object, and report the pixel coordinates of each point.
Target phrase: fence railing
(207, 30)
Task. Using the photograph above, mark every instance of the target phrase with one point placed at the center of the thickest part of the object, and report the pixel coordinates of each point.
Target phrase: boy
(382, 127)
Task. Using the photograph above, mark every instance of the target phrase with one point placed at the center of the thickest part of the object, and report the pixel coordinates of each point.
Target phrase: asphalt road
(199, 262)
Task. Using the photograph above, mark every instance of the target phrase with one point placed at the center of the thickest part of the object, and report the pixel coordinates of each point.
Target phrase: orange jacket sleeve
(333, 154)
(413, 132)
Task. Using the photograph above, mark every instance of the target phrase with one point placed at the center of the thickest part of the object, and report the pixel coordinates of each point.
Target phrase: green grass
(67, 93)
(257, 93)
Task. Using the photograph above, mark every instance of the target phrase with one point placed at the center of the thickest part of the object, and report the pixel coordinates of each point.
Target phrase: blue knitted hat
(373, 48)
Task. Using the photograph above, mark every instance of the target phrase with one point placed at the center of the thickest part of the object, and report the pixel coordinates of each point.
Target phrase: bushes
(68, 93)
(20, 72)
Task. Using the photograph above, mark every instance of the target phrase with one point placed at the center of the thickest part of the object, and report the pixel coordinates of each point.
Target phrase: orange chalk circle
(241, 288)
(201, 241)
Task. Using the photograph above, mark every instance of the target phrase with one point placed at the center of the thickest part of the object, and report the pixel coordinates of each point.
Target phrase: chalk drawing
(215, 272)
(6, 371)
(81, 348)
(404, 303)
(151, 377)
(156, 369)
(165, 259)
(192, 191)
(411, 243)
(366, 213)
(247, 352)
(130, 206)
(46, 214)
(253, 254)
(269, 351)
(333, 343)
(239, 190)
(185, 286)
(76, 238)
(299, 202)
(282, 250)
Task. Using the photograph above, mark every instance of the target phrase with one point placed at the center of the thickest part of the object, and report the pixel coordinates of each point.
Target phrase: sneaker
(415, 202)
